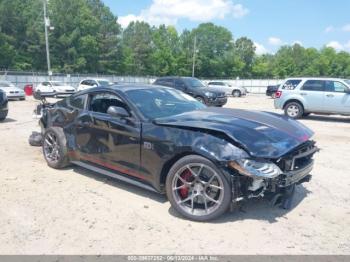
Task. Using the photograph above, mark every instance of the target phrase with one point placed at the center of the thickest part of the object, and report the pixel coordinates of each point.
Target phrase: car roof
(124, 88)
(315, 78)
(173, 77)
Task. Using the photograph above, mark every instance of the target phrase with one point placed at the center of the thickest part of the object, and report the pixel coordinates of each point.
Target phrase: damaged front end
(273, 178)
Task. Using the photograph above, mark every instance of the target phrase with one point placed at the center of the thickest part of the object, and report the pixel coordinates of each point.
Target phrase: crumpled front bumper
(296, 176)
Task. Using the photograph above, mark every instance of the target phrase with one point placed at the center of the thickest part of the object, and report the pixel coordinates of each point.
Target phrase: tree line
(88, 39)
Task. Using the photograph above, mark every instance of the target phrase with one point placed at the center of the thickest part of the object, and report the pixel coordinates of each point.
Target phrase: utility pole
(47, 24)
(194, 54)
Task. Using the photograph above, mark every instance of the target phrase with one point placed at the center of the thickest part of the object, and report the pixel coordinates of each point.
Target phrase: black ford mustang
(166, 141)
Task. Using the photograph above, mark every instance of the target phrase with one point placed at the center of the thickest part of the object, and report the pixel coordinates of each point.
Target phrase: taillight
(278, 94)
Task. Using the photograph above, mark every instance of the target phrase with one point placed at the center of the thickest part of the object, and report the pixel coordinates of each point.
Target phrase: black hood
(261, 134)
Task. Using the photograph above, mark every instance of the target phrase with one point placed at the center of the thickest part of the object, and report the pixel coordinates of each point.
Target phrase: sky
(269, 23)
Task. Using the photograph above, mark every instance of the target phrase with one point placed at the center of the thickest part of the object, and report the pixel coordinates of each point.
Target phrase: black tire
(236, 93)
(306, 114)
(3, 115)
(222, 195)
(294, 110)
(60, 157)
(200, 99)
(22, 99)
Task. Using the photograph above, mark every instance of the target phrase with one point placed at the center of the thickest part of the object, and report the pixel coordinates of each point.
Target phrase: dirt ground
(74, 211)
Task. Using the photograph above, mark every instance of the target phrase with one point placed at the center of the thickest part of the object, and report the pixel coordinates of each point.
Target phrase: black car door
(109, 141)
(180, 85)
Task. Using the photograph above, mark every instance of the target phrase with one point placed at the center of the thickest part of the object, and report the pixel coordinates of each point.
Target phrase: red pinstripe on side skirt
(105, 164)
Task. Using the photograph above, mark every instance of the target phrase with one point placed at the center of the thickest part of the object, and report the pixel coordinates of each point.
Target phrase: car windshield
(6, 84)
(157, 103)
(193, 82)
(103, 82)
(57, 83)
(347, 81)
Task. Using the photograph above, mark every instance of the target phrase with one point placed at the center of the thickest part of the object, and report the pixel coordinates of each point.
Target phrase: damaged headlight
(254, 168)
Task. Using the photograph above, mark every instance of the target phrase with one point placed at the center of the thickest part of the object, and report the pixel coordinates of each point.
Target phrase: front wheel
(200, 99)
(294, 110)
(55, 148)
(197, 189)
(3, 115)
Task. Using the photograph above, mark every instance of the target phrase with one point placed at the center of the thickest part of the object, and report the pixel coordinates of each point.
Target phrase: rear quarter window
(77, 101)
(291, 84)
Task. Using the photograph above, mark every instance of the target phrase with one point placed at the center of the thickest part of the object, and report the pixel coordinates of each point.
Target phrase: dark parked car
(195, 88)
(159, 138)
(3, 105)
(271, 90)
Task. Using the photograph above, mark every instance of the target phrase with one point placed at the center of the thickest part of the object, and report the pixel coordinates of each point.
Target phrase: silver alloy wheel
(293, 110)
(51, 148)
(198, 189)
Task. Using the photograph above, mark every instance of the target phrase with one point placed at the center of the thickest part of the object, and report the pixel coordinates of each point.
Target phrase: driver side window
(102, 101)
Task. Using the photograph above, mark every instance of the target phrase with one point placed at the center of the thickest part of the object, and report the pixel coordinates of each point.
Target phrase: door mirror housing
(117, 111)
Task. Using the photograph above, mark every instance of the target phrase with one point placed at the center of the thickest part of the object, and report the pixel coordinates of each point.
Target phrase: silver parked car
(299, 97)
(12, 92)
(235, 91)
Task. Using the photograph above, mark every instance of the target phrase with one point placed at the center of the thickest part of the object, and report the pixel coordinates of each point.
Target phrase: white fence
(20, 79)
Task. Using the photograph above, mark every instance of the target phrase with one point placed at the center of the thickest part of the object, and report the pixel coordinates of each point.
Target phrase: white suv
(299, 97)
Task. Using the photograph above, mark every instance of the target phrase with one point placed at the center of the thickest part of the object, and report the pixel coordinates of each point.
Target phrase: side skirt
(114, 175)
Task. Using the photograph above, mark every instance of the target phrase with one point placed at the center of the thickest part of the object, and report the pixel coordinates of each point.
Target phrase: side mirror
(117, 111)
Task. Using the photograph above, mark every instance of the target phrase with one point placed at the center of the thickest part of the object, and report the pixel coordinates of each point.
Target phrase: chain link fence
(21, 79)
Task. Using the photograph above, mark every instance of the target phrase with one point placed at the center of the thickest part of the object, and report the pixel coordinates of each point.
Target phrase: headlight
(255, 168)
(210, 94)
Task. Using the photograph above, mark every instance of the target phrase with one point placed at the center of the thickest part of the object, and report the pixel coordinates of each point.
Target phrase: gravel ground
(74, 211)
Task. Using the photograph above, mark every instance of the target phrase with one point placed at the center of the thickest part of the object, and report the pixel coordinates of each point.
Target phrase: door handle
(330, 95)
(303, 94)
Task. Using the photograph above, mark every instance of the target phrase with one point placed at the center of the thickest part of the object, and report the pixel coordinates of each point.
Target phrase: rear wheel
(55, 148)
(294, 110)
(236, 93)
(197, 189)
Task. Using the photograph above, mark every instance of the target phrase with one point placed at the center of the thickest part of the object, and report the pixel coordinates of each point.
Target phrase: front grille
(299, 158)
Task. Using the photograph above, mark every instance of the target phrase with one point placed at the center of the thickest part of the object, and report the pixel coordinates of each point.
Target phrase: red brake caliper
(186, 175)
